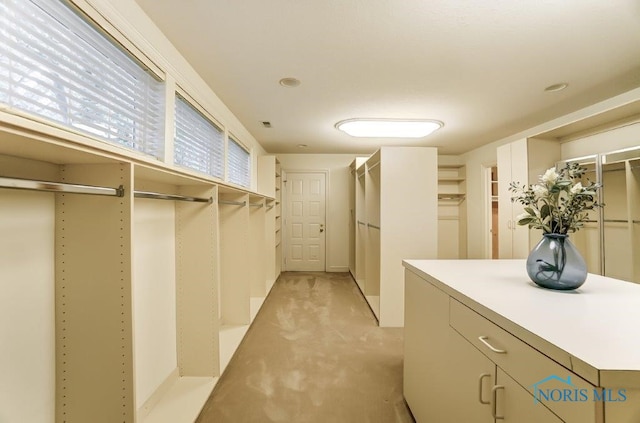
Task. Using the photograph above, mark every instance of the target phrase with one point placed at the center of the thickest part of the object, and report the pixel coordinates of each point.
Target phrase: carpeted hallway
(313, 354)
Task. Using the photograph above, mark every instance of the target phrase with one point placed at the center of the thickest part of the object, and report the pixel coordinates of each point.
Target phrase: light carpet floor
(314, 353)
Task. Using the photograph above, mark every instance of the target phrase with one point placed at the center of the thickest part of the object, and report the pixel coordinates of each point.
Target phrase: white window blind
(238, 164)
(198, 143)
(55, 64)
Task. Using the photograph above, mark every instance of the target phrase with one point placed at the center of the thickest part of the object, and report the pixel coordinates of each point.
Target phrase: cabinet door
(425, 349)
(514, 404)
(467, 391)
(446, 379)
(512, 167)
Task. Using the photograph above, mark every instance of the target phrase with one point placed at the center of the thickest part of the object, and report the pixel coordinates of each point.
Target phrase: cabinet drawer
(570, 396)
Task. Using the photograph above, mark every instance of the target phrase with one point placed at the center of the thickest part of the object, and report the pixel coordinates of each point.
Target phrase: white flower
(539, 191)
(576, 189)
(550, 176)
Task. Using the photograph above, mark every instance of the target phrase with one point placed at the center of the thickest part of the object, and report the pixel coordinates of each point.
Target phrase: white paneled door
(305, 221)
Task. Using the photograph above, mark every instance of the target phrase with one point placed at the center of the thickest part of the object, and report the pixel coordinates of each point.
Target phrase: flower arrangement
(559, 204)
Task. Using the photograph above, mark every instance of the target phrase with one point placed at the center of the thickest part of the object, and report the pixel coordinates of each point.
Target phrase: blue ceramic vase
(555, 263)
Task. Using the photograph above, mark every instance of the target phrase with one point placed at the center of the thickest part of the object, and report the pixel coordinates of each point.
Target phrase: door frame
(487, 211)
(285, 210)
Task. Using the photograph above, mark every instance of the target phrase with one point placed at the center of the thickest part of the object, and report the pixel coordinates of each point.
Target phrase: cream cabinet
(396, 217)
(484, 345)
(447, 379)
(522, 161)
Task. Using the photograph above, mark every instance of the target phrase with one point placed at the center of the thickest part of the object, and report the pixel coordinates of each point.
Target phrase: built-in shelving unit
(451, 208)
(394, 219)
(356, 199)
(278, 218)
(131, 283)
(360, 225)
(270, 184)
(373, 229)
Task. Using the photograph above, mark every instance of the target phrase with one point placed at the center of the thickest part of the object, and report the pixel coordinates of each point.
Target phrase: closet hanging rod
(60, 187)
(610, 221)
(233, 203)
(361, 223)
(270, 207)
(613, 170)
(159, 196)
(256, 205)
(373, 226)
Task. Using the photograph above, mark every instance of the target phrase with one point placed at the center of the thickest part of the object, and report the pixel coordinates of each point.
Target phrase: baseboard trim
(338, 269)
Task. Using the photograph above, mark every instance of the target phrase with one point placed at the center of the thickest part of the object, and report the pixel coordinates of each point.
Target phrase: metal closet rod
(361, 222)
(59, 187)
(159, 196)
(256, 205)
(373, 226)
(611, 221)
(233, 203)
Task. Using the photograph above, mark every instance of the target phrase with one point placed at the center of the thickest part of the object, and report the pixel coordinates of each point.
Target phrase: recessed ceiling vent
(266, 124)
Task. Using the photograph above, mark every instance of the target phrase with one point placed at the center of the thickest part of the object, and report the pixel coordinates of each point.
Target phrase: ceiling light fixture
(556, 87)
(389, 128)
(290, 82)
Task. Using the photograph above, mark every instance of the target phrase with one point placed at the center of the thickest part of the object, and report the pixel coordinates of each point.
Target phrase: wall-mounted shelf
(451, 197)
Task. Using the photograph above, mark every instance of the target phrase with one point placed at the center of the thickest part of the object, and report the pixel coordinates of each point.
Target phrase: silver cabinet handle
(494, 398)
(482, 376)
(483, 339)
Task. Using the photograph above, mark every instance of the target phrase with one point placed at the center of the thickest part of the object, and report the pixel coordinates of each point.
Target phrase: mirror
(610, 240)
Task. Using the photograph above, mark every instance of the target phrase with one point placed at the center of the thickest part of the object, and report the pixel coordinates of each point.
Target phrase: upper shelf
(46, 147)
(451, 179)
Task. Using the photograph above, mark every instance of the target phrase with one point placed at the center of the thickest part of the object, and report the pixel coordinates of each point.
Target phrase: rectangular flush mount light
(388, 128)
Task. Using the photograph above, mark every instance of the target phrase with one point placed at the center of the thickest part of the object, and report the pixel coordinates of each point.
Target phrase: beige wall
(337, 246)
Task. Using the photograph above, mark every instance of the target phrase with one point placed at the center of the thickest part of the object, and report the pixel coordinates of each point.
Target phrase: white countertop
(599, 323)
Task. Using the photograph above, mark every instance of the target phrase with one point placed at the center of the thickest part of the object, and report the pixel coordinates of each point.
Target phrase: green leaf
(545, 211)
(526, 221)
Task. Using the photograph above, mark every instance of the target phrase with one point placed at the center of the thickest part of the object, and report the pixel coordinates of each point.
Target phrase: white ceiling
(479, 66)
